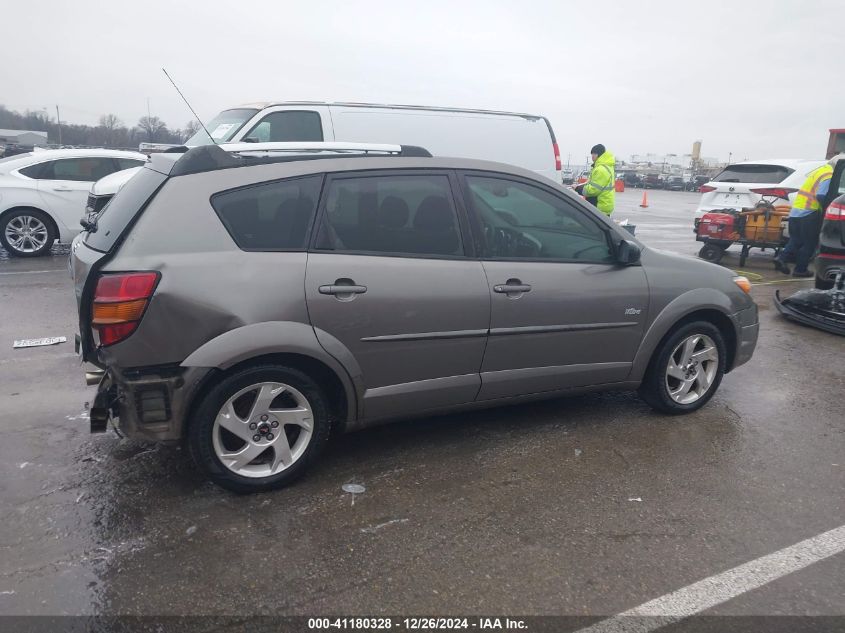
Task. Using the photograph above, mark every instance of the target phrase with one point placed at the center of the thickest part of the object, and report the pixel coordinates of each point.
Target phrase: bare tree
(110, 124)
(191, 128)
(153, 127)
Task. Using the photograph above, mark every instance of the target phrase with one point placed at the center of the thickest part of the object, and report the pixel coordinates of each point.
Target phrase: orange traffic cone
(644, 203)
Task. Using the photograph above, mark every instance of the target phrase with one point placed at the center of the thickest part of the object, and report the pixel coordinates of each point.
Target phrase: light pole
(59, 123)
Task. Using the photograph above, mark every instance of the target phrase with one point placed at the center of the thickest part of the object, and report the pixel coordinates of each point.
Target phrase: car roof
(260, 105)
(32, 158)
(792, 163)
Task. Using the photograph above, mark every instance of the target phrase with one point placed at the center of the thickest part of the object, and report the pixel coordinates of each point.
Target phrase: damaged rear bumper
(822, 309)
(149, 403)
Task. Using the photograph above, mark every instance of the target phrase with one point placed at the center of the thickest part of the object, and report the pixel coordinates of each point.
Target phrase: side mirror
(627, 253)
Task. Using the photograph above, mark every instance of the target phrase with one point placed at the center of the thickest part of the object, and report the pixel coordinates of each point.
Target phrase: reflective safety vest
(806, 196)
(601, 184)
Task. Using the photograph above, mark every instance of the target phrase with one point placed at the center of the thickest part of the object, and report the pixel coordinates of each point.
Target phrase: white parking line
(33, 272)
(720, 588)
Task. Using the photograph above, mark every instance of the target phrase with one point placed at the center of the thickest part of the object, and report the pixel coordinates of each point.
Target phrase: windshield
(223, 127)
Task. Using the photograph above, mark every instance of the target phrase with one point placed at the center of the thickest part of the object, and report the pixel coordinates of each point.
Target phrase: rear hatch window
(122, 209)
(768, 174)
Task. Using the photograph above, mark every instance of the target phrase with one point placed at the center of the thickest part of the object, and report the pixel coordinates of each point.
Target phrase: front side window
(290, 125)
(398, 214)
(88, 169)
(270, 216)
(520, 221)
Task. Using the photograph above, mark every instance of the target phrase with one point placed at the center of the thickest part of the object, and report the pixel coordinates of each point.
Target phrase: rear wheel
(27, 233)
(686, 369)
(259, 429)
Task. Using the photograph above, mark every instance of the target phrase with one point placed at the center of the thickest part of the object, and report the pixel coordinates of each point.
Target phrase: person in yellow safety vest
(600, 188)
(805, 222)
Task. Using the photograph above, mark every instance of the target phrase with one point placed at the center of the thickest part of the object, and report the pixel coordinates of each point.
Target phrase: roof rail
(205, 158)
(298, 148)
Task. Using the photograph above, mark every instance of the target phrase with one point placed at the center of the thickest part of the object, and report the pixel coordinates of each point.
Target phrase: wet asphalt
(583, 506)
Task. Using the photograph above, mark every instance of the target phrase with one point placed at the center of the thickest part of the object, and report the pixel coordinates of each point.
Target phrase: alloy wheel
(263, 429)
(692, 369)
(26, 234)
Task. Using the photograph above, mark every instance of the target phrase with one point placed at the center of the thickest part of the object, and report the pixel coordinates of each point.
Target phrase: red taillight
(836, 212)
(706, 189)
(778, 192)
(119, 303)
(556, 150)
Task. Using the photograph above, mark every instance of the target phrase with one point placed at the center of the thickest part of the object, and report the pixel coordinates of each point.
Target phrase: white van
(525, 140)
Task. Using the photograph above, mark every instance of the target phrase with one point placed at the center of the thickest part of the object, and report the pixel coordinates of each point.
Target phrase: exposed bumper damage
(150, 404)
(822, 309)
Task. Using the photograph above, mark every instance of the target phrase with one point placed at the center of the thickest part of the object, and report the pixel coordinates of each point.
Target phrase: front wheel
(26, 233)
(711, 253)
(686, 369)
(259, 429)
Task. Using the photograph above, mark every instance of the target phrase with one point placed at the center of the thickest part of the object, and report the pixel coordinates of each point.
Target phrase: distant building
(23, 137)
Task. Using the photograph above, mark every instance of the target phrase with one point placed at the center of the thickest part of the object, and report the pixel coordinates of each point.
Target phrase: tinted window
(128, 163)
(280, 127)
(122, 208)
(523, 221)
(769, 174)
(270, 216)
(88, 169)
(398, 214)
(33, 171)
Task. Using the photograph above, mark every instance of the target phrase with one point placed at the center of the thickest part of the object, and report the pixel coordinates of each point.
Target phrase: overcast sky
(757, 79)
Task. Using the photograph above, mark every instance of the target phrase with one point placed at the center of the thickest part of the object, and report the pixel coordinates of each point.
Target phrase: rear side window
(128, 163)
(88, 169)
(401, 215)
(122, 208)
(768, 174)
(291, 125)
(273, 216)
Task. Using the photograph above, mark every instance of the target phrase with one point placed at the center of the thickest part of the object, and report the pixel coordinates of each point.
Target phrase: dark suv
(249, 299)
(831, 258)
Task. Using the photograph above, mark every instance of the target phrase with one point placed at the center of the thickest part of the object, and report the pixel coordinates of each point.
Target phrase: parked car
(43, 194)
(736, 187)
(292, 295)
(674, 183)
(696, 182)
(653, 181)
(632, 179)
(831, 258)
(103, 190)
(526, 140)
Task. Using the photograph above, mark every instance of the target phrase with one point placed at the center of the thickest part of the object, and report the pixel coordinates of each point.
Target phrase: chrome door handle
(342, 290)
(61, 189)
(509, 288)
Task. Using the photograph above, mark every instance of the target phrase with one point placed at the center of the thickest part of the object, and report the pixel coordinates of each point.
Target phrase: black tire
(654, 389)
(201, 428)
(711, 253)
(824, 284)
(35, 213)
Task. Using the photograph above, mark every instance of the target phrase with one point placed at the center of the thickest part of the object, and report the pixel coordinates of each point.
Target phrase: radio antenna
(189, 106)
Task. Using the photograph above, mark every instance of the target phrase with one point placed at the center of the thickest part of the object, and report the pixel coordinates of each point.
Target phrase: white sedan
(43, 194)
